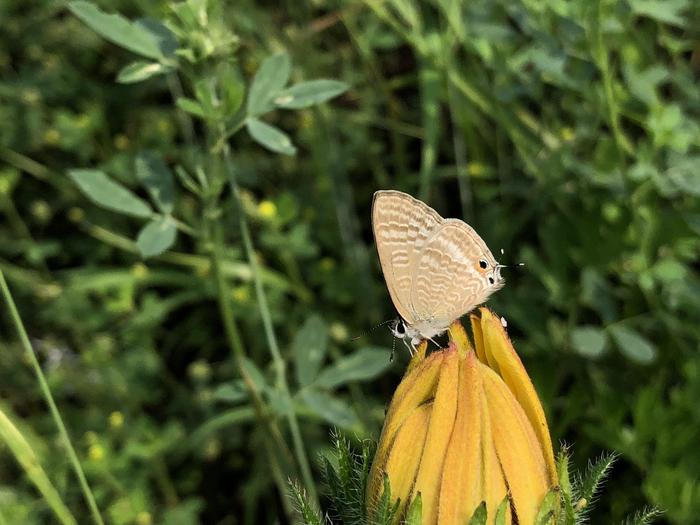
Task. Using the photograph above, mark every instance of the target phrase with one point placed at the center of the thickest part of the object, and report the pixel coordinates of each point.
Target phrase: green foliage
(502, 512)
(480, 516)
(415, 511)
(644, 517)
(346, 474)
(564, 132)
(309, 515)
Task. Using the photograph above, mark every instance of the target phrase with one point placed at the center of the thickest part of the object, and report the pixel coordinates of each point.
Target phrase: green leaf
(386, 509)
(270, 137)
(232, 89)
(545, 514)
(269, 80)
(232, 392)
(192, 107)
(309, 349)
(633, 345)
(156, 237)
(415, 511)
(364, 364)
(329, 408)
(305, 507)
(157, 179)
(588, 341)
(22, 450)
(563, 466)
(664, 11)
(309, 93)
(141, 70)
(590, 483)
(109, 194)
(255, 375)
(645, 516)
(117, 29)
(502, 512)
(480, 515)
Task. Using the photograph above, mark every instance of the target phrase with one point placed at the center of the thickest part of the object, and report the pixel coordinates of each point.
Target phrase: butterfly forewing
(446, 281)
(402, 225)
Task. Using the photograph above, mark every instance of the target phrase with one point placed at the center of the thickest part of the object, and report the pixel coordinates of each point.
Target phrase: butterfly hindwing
(446, 281)
(402, 225)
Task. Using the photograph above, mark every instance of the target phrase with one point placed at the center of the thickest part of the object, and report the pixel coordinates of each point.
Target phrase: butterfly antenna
(367, 332)
(499, 265)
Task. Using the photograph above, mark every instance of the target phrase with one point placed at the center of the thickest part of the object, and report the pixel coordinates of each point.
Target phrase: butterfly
(436, 269)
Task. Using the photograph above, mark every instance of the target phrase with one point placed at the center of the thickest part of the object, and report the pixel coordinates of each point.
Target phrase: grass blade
(25, 456)
(24, 338)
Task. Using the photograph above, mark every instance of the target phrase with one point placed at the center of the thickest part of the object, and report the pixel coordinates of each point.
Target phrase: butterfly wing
(446, 280)
(402, 225)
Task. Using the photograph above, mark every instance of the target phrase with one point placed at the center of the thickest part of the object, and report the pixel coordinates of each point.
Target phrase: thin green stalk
(458, 142)
(28, 460)
(430, 80)
(236, 344)
(278, 361)
(89, 497)
(601, 57)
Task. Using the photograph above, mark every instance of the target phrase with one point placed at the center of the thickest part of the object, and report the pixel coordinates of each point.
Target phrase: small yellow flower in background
(144, 518)
(567, 134)
(139, 270)
(241, 294)
(267, 210)
(465, 426)
(96, 452)
(52, 136)
(116, 419)
(121, 142)
(476, 169)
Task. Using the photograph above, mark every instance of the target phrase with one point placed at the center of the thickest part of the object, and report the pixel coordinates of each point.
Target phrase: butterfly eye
(400, 328)
(490, 280)
(483, 264)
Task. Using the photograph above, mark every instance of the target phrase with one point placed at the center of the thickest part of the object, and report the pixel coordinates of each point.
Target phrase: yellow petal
(494, 487)
(415, 388)
(418, 356)
(442, 419)
(458, 336)
(404, 456)
(517, 447)
(499, 350)
(478, 338)
(461, 486)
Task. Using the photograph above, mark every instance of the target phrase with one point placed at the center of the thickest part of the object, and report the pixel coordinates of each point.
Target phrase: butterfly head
(398, 328)
(490, 269)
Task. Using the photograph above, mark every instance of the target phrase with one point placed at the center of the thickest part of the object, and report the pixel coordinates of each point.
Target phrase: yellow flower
(465, 425)
(116, 419)
(267, 210)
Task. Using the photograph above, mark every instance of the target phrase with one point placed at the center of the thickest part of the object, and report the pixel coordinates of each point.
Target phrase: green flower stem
(236, 344)
(14, 314)
(600, 54)
(278, 361)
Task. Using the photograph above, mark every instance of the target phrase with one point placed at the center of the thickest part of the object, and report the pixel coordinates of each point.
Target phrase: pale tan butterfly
(436, 269)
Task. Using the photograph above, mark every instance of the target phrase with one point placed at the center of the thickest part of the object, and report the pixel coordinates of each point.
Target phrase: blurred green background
(566, 132)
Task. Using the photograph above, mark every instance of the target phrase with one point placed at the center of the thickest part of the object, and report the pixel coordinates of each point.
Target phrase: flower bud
(465, 426)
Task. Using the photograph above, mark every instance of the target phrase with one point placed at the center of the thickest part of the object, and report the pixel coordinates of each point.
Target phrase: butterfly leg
(414, 344)
(410, 345)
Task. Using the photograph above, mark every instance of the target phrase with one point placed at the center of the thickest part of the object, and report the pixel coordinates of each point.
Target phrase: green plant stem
(24, 338)
(601, 57)
(278, 361)
(236, 344)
